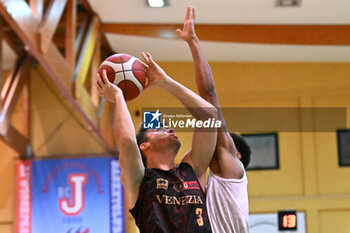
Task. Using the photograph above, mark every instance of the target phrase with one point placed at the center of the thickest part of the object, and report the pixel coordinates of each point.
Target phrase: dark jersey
(171, 202)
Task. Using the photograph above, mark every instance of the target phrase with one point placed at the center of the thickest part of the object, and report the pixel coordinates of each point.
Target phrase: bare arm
(203, 143)
(225, 154)
(124, 132)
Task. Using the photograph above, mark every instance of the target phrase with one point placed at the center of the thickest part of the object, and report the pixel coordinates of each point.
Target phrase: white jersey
(227, 204)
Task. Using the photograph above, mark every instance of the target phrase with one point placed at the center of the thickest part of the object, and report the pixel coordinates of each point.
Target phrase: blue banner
(82, 195)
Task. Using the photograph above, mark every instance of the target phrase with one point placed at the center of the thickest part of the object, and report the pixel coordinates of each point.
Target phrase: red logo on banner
(77, 181)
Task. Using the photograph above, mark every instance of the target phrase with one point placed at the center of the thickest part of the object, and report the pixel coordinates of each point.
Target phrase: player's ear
(239, 155)
(144, 146)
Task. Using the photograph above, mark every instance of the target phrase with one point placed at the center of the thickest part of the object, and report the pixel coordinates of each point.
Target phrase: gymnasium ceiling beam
(81, 17)
(26, 108)
(13, 86)
(87, 52)
(12, 41)
(106, 47)
(21, 20)
(87, 6)
(37, 7)
(86, 69)
(260, 34)
(9, 95)
(71, 18)
(14, 139)
(49, 23)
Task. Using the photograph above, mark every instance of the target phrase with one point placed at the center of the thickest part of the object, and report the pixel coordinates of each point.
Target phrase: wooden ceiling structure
(63, 37)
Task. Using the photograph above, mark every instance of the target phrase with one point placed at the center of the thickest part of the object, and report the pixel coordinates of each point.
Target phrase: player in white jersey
(227, 196)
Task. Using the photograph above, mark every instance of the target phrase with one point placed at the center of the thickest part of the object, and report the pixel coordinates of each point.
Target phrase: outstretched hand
(105, 88)
(188, 33)
(156, 75)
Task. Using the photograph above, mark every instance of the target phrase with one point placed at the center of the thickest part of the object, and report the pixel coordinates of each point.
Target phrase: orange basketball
(126, 72)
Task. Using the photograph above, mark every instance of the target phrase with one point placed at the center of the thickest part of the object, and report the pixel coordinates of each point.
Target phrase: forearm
(129, 156)
(203, 73)
(204, 78)
(199, 108)
(205, 81)
(123, 128)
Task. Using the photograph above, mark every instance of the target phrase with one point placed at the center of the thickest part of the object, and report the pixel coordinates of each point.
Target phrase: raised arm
(225, 154)
(203, 143)
(130, 158)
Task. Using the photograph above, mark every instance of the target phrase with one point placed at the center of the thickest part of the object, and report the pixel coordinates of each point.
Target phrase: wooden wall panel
(264, 34)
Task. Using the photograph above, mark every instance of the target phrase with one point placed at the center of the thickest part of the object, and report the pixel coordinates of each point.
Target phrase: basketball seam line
(125, 86)
(121, 60)
(126, 71)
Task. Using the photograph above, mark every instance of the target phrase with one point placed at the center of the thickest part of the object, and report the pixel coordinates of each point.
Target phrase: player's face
(163, 137)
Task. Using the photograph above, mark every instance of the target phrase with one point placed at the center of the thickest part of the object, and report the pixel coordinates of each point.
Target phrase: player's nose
(171, 130)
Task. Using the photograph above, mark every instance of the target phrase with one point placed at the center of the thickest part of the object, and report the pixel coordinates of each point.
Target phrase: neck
(164, 161)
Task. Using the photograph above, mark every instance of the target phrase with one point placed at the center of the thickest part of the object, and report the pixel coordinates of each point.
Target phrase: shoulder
(184, 166)
(213, 176)
(186, 170)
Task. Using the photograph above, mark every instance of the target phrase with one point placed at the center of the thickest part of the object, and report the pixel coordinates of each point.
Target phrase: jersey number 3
(200, 218)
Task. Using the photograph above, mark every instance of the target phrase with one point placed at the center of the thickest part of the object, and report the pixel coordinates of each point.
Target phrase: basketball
(126, 72)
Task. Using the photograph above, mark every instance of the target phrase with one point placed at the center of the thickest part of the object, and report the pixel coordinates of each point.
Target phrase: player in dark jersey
(171, 201)
(163, 197)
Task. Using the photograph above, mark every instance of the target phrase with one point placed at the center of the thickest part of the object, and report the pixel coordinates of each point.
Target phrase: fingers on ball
(100, 81)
